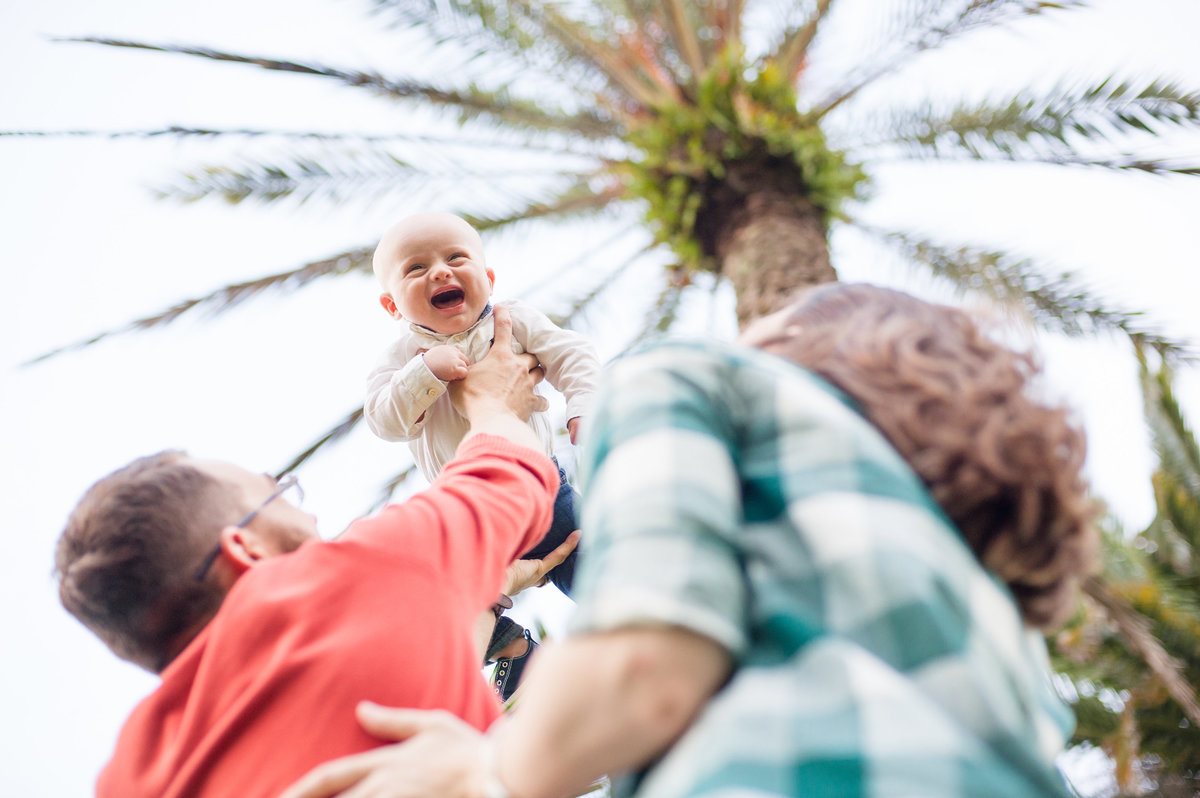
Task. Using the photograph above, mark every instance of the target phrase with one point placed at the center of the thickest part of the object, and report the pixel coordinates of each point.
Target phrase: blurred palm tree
(1133, 651)
(729, 132)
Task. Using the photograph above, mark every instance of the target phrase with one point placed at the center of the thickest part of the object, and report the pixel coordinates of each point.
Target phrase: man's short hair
(126, 560)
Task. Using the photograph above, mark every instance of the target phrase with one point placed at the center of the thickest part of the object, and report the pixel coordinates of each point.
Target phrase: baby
(434, 277)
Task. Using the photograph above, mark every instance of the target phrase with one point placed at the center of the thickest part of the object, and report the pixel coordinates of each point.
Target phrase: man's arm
(497, 397)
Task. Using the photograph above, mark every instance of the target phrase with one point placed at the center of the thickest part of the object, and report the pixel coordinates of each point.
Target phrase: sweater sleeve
(571, 363)
(398, 395)
(492, 502)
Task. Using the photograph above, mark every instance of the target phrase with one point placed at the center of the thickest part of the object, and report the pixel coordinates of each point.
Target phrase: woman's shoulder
(720, 363)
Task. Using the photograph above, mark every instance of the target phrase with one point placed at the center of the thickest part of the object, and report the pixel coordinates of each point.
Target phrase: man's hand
(497, 396)
(532, 573)
(573, 428)
(443, 757)
(446, 362)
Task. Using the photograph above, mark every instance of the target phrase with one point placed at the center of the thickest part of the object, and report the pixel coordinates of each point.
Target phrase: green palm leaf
(1049, 128)
(923, 25)
(1059, 302)
(350, 175)
(232, 295)
(1133, 652)
(469, 103)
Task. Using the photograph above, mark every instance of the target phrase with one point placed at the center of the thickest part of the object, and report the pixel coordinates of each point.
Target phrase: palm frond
(580, 198)
(479, 26)
(336, 433)
(649, 42)
(1175, 530)
(1173, 439)
(361, 175)
(485, 21)
(731, 21)
(479, 30)
(929, 25)
(661, 315)
(299, 178)
(679, 26)
(639, 85)
(642, 35)
(1175, 533)
(1057, 303)
(388, 489)
(468, 102)
(1047, 128)
(1135, 629)
(583, 301)
(1150, 166)
(178, 131)
(232, 295)
(789, 54)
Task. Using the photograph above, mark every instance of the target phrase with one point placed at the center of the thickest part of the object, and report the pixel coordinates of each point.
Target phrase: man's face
(280, 526)
(433, 273)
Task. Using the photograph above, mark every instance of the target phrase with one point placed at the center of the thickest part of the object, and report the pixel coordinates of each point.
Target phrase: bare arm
(644, 687)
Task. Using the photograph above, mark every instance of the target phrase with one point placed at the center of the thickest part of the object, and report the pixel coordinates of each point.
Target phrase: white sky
(85, 248)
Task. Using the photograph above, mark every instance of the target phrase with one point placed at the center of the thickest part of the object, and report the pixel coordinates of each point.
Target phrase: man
(266, 637)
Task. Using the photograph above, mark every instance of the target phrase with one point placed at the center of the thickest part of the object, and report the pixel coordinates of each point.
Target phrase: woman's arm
(602, 703)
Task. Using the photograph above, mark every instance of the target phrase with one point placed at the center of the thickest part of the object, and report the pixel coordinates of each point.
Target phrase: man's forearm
(497, 419)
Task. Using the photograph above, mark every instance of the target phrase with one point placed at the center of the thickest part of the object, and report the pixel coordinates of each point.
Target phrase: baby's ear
(389, 305)
(491, 276)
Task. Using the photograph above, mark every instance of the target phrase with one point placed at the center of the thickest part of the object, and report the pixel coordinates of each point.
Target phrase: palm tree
(1133, 650)
(703, 114)
(711, 126)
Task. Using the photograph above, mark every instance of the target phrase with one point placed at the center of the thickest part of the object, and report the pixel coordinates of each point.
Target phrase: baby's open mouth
(447, 298)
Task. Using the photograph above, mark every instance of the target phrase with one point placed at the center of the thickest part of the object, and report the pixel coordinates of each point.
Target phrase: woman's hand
(436, 755)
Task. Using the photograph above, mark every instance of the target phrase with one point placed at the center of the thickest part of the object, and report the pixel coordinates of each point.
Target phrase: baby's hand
(446, 362)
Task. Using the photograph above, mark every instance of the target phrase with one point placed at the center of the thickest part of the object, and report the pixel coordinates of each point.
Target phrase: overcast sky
(85, 248)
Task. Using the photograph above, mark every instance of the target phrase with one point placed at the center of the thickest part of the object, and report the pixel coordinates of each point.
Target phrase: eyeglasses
(289, 483)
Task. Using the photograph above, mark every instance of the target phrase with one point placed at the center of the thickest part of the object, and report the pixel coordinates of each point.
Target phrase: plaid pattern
(736, 495)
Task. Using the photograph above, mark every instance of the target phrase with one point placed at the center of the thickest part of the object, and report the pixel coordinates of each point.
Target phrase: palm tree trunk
(770, 247)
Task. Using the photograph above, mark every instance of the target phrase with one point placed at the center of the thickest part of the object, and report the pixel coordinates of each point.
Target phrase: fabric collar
(417, 328)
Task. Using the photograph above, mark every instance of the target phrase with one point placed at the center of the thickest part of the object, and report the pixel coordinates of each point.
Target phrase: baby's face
(433, 273)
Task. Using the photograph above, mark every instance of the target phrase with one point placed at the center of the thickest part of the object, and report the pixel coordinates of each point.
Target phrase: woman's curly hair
(1005, 468)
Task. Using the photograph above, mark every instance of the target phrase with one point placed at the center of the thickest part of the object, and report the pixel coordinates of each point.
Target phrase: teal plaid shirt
(736, 495)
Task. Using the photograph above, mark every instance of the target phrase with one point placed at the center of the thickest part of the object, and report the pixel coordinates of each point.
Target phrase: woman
(817, 566)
